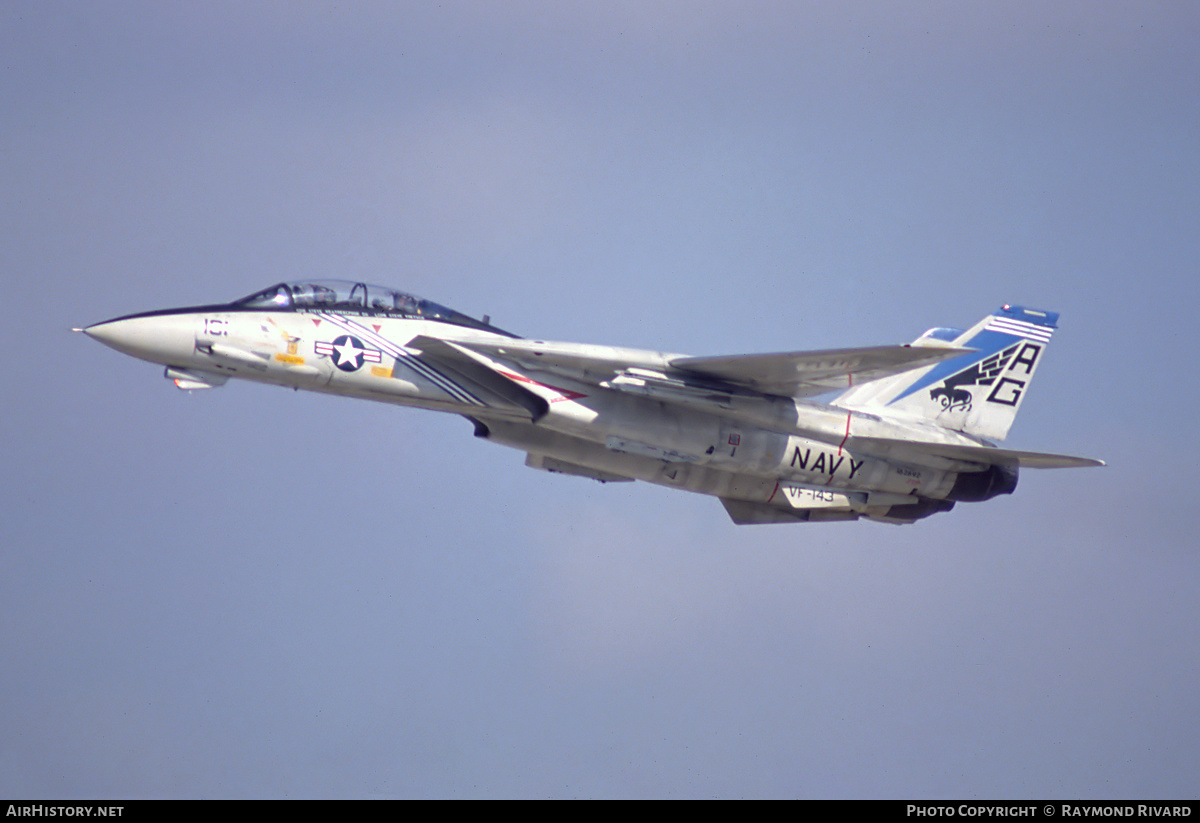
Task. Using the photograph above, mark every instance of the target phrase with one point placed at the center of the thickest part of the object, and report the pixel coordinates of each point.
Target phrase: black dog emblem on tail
(984, 373)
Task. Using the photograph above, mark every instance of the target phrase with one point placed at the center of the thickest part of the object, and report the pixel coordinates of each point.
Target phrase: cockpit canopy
(358, 298)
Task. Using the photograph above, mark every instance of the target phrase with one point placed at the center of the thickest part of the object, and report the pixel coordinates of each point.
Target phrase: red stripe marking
(567, 394)
(847, 435)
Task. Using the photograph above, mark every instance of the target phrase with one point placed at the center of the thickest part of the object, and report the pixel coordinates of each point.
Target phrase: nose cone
(159, 338)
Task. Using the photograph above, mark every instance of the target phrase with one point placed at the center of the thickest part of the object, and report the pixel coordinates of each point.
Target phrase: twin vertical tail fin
(977, 393)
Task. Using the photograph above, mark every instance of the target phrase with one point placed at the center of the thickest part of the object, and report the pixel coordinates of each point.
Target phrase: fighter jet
(890, 433)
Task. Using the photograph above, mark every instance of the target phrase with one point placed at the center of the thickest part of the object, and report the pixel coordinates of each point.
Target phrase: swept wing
(788, 374)
(501, 395)
(805, 373)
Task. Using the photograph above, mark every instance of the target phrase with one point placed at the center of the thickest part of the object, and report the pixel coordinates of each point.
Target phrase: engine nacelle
(973, 487)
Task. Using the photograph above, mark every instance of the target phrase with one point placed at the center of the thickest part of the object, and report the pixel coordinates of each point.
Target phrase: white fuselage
(910, 433)
(762, 449)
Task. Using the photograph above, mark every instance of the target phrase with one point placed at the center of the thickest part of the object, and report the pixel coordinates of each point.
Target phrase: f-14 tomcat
(906, 430)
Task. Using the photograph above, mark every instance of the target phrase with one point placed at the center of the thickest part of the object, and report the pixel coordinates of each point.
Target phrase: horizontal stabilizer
(804, 373)
(936, 454)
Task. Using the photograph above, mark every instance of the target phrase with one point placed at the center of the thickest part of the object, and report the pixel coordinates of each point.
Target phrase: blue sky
(257, 593)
